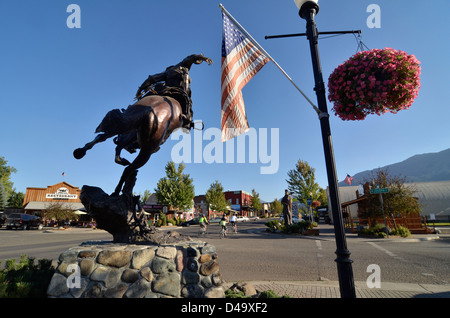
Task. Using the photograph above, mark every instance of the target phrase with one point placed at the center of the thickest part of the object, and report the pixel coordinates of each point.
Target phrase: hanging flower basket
(374, 82)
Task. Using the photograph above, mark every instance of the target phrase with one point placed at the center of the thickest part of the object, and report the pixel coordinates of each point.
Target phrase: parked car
(190, 222)
(23, 221)
(242, 219)
(295, 219)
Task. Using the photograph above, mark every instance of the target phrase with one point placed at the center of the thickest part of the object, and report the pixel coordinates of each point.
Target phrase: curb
(330, 289)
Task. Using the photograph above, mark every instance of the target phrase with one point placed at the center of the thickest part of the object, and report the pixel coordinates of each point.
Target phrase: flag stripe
(241, 60)
(242, 72)
(235, 93)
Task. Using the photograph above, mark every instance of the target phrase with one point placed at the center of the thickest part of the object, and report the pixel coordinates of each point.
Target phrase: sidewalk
(328, 289)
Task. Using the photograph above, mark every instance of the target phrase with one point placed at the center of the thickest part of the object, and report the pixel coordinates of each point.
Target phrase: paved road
(44, 244)
(256, 255)
(269, 259)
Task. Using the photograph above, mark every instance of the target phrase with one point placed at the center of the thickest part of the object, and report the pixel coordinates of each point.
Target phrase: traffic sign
(379, 190)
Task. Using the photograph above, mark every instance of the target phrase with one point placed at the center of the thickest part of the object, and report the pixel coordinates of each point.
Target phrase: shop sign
(61, 194)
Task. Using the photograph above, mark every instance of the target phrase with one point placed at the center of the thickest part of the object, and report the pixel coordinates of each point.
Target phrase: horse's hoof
(79, 153)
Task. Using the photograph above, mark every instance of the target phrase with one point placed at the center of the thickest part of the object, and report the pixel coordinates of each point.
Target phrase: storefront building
(240, 201)
(37, 200)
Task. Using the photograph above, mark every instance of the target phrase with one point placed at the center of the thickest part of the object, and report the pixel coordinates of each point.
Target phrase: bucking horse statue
(163, 105)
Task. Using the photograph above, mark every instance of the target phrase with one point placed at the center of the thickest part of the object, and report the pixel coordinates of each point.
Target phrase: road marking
(319, 244)
(382, 249)
(386, 251)
(427, 274)
(319, 256)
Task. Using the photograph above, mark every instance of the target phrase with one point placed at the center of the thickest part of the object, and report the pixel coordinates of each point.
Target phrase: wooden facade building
(38, 199)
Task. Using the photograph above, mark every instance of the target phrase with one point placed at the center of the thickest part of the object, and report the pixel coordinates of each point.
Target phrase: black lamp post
(308, 10)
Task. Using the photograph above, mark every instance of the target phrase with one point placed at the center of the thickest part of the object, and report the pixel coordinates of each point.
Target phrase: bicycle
(223, 233)
(233, 228)
(202, 231)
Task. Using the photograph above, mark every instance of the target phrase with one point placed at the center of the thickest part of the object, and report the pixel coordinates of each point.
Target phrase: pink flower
(374, 82)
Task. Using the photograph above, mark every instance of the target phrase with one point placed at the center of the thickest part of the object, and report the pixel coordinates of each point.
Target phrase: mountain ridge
(425, 167)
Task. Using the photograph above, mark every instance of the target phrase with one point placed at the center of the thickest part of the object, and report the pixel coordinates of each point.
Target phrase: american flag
(241, 60)
(348, 179)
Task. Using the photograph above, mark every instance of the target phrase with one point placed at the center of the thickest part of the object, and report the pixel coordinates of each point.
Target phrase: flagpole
(268, 56)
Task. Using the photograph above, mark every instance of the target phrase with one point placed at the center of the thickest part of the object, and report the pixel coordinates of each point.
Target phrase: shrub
(274, 225)
(378, 230)
(299, 227)
(25, 279)
(162, 220)
(401, 231)
(229, 293)
(271, 294)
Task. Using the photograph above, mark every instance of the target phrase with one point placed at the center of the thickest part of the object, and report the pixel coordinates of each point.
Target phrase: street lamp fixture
(308, 10)
(306, 5)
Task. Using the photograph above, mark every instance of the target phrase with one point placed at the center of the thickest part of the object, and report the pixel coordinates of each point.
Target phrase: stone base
(118, 270)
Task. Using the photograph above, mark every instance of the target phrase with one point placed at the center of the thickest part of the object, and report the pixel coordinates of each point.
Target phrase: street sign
(380, 190)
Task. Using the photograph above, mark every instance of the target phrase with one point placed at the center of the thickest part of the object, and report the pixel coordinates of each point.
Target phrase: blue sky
(58, 83)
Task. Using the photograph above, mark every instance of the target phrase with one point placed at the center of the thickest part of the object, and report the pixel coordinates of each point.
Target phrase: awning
(39, 205)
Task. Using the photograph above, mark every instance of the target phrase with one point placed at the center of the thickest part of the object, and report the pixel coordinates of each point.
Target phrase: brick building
(240, 201)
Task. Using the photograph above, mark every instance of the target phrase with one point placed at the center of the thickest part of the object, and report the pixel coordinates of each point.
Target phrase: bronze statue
(286, 201)
(164, 104)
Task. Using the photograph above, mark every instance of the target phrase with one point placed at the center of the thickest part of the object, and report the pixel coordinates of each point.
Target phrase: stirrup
(198, 121)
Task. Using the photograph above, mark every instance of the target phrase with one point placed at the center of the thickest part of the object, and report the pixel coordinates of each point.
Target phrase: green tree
(255, 201)
(59, 212)
(144, 197)
(323, 197)
(398, 201)
(302, 183)
(215, 197)
(3, 197)
(176, 189)
(276, 207)
(16, 200)
(5, 175)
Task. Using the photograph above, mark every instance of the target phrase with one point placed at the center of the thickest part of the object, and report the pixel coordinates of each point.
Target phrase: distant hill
(419, 168)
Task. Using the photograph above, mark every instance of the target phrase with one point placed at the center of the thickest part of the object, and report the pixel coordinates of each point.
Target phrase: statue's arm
(195, 59)
(152, 79)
